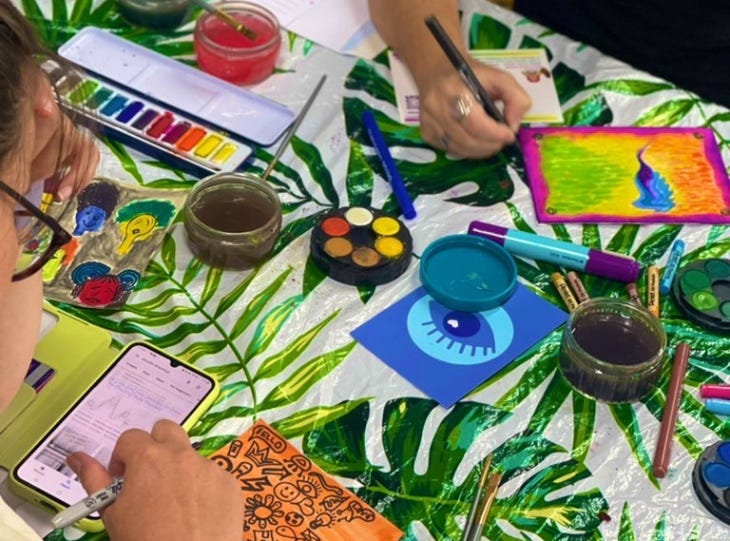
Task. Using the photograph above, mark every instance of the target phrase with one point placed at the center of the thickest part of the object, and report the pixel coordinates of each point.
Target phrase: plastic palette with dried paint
(702, 291)
(361, 246)
(711, 480)
(163, 107)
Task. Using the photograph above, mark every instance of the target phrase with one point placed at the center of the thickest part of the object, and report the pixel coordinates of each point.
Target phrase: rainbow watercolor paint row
(153, 128)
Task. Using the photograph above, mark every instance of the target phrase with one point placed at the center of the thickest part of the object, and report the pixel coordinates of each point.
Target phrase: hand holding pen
(457, 112)
(168, 489)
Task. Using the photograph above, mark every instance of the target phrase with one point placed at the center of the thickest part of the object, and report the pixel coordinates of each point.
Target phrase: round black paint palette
(711, 480)
(702, 291)
(361, 246)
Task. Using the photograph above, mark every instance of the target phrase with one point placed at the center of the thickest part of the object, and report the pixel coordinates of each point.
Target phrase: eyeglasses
(39, 235)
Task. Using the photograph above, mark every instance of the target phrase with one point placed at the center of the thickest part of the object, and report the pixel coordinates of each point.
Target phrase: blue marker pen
(718, 406)
(566, 254)
(675, 255)
(396, 181)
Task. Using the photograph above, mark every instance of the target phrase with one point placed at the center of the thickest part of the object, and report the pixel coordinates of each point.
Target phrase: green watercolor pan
(702, 291)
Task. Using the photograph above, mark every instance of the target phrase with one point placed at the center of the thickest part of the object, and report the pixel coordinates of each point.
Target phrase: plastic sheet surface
(278, 336)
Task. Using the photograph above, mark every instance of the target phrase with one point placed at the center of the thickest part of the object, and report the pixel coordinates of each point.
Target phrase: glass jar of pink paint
(223, 51)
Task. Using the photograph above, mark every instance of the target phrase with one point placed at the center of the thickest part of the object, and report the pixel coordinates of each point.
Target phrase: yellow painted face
(138, 228)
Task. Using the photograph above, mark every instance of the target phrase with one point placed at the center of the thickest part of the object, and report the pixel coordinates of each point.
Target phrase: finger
(81, 171)
(516, 101)
(166, 431)
(92, 474)
(129, 445)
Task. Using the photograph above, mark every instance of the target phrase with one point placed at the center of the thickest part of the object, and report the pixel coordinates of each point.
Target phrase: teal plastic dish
(468, 273)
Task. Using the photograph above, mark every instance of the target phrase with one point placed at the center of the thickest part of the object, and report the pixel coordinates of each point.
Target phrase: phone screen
(141, 387)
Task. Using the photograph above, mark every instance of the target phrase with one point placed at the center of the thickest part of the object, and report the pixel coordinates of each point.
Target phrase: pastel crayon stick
(718, 406)
(670, 271)
(710, 390)
(663, 450)
(652, 289)
(634, 293)
(564, 291)
(577, 286)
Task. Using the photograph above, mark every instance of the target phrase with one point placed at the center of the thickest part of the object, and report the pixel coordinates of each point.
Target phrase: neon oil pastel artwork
(448, 353)
(626, 175)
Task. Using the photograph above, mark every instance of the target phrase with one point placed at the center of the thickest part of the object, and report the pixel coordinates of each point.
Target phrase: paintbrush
(487, 499)
(230, 21)
(474, 509)
(293, 128)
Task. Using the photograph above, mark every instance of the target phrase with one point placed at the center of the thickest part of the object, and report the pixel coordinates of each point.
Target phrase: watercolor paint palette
(361, 246)
(165, 108)
(711, 480)
(702, 291)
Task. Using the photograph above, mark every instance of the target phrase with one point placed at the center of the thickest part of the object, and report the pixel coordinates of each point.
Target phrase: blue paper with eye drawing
(447, 353)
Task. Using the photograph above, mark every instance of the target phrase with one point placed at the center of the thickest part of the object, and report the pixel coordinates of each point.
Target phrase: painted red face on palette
(100, 291)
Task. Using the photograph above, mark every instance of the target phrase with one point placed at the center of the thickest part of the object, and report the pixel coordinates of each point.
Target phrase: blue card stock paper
(447, 353)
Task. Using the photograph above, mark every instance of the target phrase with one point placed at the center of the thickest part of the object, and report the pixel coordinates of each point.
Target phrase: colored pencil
(663, 450)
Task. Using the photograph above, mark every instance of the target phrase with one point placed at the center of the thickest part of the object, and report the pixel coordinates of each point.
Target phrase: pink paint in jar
(223, 51)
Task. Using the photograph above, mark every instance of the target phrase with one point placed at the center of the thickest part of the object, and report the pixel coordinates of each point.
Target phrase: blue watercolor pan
(711, 480)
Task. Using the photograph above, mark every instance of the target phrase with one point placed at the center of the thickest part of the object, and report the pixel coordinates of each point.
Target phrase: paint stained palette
(361, 246)
(702, 291)
(711, 480)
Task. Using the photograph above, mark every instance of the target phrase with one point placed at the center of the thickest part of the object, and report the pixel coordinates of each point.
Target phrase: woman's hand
(170, 492)
(453, 120)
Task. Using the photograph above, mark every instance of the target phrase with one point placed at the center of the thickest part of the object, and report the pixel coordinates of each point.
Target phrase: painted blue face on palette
(711, 480)
(89, 219)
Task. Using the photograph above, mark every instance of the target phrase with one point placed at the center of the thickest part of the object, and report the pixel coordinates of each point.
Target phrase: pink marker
(715, 391)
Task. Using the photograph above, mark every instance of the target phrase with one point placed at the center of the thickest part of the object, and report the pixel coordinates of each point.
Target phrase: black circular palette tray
(702, 291)
(361, 246)
(711, 480)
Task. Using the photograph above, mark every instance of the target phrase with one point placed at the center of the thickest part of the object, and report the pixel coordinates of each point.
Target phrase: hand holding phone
(170, 492)
(142, 386)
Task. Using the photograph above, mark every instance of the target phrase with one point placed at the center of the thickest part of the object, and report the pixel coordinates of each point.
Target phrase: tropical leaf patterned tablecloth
(278, 337)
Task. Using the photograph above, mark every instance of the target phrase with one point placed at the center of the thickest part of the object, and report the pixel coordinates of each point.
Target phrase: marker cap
(613, 266)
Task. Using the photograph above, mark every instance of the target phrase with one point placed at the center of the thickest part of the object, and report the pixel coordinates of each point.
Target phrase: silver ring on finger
(462, 106)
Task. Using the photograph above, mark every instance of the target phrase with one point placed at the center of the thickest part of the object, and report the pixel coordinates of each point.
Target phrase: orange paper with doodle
(288, 498)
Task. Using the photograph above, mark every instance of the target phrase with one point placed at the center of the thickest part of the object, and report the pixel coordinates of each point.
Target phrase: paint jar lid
(468, 273)
(711, 480)
(702, 292)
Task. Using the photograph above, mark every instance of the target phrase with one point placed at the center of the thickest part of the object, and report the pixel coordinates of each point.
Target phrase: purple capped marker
(566, 254)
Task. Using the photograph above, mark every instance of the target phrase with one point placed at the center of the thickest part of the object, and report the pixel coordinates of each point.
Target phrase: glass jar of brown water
(232, 220)
(612, 350)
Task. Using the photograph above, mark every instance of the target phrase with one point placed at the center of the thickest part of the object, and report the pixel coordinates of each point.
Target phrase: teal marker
(672, 265)
(718, 406)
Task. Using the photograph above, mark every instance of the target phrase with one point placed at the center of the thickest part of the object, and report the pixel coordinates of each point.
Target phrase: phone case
(34, 495)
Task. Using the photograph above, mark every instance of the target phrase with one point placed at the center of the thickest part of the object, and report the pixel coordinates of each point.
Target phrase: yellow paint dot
(389, 246)
(385, 225)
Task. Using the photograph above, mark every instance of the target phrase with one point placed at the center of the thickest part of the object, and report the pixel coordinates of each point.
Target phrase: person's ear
(44, 104)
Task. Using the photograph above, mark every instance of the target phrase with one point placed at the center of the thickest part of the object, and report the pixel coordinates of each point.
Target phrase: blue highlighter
(711, 480)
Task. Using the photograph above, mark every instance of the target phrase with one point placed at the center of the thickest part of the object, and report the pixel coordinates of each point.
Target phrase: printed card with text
(529, 67)
(288, 498)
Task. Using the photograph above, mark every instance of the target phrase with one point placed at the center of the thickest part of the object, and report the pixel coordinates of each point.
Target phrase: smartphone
(142, 385)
